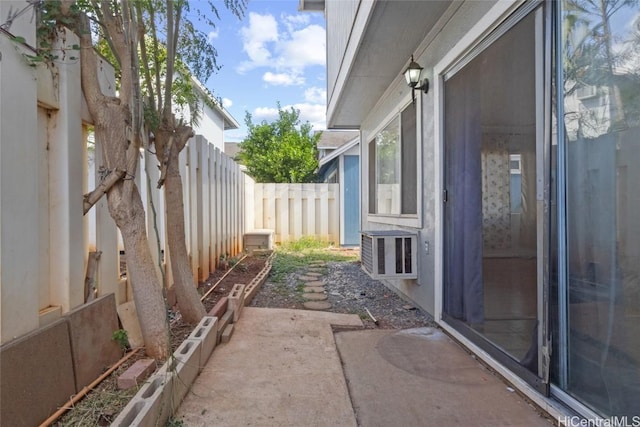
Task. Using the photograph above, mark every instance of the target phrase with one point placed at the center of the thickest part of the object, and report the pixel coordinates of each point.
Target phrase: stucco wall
(396, 98)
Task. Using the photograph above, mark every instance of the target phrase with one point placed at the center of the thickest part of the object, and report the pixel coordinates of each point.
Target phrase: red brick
(136, 373)
(220, 308)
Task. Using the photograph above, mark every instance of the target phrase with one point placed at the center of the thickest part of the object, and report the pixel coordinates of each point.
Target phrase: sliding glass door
(598, 314)
(493, 132)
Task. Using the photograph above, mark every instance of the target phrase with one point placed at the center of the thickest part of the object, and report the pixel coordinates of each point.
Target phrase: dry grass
(103, 404)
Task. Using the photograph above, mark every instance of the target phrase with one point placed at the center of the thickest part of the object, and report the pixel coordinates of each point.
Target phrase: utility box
(259, 240)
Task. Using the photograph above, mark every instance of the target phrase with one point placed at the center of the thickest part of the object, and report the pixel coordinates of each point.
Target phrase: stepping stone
(314, 274)
(317, 263)
(307, 278)
(315, 283)
(321, 270)
(317, 305)
(314, 289)
(314, 296)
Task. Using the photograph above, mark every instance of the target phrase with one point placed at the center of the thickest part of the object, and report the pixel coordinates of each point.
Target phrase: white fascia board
(365, 11)
(340, 150)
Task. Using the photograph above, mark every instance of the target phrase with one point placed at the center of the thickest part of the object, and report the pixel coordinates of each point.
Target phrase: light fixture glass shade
(412, 73)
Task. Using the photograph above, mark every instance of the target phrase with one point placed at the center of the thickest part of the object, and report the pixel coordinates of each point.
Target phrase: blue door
(351, 204)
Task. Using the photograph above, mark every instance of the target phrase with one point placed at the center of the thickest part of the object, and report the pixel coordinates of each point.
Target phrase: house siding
(340, 16)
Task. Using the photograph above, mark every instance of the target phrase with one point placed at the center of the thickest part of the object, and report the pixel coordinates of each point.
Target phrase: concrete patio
(287, 368)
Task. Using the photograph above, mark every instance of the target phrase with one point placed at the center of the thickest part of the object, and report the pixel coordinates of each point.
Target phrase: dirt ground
(222, 280)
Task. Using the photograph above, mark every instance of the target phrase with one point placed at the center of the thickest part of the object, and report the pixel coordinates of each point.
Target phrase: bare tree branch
(93, 197)
(89, 64)
(171, 53)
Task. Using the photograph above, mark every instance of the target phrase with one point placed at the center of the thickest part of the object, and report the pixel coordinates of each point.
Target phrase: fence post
(151, 175)
(218, 206)
(66, 177)
(250, 203)
(282, 193)
(212, 208)
(204, 235)
(19, 222)
(324, 211)
(193, 206)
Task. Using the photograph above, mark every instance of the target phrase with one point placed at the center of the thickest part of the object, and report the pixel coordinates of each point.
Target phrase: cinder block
(207, 333)
(185, 367)
(158, 399)
(249, 293)
(223, 322)
(236, 300)
(36, 375)
(226, 334)
(220, 308)
(91, 328)
(151, 406)
(136, 373)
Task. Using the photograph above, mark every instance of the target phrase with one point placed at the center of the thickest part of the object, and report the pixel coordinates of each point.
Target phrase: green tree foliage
(282, 151)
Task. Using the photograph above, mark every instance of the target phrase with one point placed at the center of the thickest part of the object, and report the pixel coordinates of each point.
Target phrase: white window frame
(406, 220)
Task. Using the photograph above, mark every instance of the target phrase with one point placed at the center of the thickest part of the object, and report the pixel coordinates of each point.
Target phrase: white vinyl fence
(296, 210)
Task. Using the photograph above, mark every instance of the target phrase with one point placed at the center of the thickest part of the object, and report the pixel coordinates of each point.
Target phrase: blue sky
(275, 53)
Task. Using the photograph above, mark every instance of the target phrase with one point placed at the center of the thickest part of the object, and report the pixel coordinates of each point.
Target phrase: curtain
(528, 226)
(464, 297)
(496, 200)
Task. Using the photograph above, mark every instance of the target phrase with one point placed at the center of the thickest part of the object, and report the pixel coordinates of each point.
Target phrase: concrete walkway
(285, 368)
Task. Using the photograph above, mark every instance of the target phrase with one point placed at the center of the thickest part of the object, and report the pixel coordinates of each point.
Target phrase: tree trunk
(127, 210)
(147, 291)
(189, 302)
(116, 124)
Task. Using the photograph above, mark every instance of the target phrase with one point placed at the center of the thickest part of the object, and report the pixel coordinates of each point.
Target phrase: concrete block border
(252, 288)
(162, 393)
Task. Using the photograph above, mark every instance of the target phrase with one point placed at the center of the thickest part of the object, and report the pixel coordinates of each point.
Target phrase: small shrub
(121, 337)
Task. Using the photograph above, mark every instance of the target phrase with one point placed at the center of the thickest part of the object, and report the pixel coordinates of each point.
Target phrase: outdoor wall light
(412, 74)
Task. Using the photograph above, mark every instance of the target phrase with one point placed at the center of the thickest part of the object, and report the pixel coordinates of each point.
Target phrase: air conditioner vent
(389, 254)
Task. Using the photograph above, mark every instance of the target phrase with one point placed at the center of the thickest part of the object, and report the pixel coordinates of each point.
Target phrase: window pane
(388, 169)
(601, 65)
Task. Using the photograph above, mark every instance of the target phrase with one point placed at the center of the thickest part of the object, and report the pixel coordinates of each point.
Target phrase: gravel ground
(349, 290)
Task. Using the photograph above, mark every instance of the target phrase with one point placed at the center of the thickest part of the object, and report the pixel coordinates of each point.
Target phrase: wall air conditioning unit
(389, 254)
(586, 91)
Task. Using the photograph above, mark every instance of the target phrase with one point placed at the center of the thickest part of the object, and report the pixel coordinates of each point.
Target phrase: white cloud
(262, 30)
(295, 21)
(265, 113)
(315, 95)
(304, 48)
(285, 47)
(283, 79)
(315, 114)
(235, 135)
(213, 35)
(226, 102)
